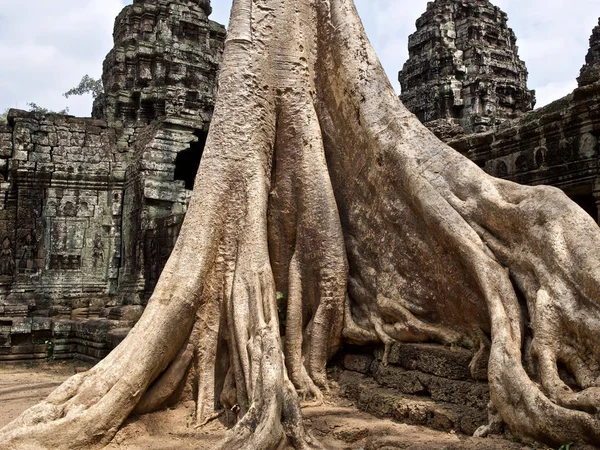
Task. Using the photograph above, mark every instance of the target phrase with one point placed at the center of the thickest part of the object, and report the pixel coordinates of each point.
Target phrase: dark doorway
(588, 203)
(188, 161)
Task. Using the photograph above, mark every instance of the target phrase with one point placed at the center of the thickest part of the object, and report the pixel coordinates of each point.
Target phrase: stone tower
(90, 208)
(160, 84)
(590, 72)
(164, 63)
(464, 74)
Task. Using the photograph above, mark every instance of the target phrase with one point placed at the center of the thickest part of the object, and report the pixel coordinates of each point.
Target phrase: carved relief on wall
(98, 252)
(7, 258)
(65, 262)
(67, 242)
(27, 250)
(159, 243)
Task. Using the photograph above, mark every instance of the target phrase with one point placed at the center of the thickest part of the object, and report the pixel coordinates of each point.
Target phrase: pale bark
(318, 183)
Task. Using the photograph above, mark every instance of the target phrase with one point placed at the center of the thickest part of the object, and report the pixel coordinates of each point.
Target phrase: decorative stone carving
(590, 72)
(98, 251)
(464, 74)
(465, 81)
(27, 251)
(164, 63)
(82, 200)
(7, 260)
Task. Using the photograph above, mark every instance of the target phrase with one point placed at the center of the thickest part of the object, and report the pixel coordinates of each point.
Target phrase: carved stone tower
(164, 63)
(464, 74)
(590, 72)
(160, 85)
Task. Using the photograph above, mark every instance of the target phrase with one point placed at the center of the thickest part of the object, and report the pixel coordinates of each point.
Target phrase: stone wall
(160, 83)
(62, 200)
(465, 82)
(464, 74)
(90, 209)
(157, 192)
(420, 384)
(556, 145)
(60, 225)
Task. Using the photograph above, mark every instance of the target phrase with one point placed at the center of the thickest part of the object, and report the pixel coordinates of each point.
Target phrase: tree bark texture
(325, 210)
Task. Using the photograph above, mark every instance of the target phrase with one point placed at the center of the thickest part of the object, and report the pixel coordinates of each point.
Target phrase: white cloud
(554, 90)
(47, 46)
(553, 38)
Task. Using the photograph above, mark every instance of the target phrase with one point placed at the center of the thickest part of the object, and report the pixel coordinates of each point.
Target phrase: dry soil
(337, 423)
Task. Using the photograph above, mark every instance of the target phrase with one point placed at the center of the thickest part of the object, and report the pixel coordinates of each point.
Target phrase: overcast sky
(46, 46)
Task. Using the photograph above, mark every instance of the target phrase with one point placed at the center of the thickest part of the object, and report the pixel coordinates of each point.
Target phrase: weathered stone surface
(556, 145)
(390, 403)
(436, 371)
(464, 74)
(434, 359)
(164, 63)
(422, 384)
(462, 43)
(90, 209)
(590, 72)
(468, 393)
(358, 363)
(116, 335)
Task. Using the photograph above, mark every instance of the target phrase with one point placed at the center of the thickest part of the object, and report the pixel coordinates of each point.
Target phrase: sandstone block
(430, 358)
(358, 363)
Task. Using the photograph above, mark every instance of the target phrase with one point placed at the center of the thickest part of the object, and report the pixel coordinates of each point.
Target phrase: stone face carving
(590, 72)
(464, 74)
(90, 208)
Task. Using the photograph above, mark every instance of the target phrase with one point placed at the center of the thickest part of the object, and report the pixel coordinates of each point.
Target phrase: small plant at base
(49, 350)
(566, 446)
(282, 298)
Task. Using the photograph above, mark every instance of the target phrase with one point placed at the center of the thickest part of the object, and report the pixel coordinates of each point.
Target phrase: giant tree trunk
(321, 199)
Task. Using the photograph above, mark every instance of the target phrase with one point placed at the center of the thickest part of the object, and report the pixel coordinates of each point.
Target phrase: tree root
(207, 420)
(318, 183)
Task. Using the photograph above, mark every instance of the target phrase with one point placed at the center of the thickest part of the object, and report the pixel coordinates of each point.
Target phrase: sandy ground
(24, 384)
(337, 424)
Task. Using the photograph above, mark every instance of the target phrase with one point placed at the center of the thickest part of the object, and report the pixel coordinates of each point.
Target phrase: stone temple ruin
(91, 208)
(464, 74)
(465, 81)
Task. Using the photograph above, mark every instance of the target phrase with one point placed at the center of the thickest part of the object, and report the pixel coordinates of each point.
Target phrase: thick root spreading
(323, 211)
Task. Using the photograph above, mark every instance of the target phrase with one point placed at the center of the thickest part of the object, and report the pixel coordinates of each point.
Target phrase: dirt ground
(337, 424)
